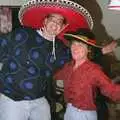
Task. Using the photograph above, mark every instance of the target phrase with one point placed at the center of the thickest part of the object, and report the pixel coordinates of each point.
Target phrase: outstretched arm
(109, 47)
(107, 87)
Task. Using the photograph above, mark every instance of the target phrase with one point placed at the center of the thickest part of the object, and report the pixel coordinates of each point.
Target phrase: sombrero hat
(82, 35)
(33, 12)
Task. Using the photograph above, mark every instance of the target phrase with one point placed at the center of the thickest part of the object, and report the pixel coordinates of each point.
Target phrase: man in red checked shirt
(82, 77)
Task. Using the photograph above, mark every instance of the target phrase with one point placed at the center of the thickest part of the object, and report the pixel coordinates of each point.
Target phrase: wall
(111, 21)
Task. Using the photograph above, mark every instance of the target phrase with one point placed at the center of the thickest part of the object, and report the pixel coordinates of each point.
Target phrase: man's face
(54, 24)
(79, 51)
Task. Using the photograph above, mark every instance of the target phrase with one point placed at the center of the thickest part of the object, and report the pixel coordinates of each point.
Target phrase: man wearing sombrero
(29, 57)
(82, 77)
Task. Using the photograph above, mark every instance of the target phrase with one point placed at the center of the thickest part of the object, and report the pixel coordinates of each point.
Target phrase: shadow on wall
(99, 30)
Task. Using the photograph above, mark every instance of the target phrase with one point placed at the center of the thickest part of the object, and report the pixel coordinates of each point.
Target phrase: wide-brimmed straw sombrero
(33, 12)
(84, 35)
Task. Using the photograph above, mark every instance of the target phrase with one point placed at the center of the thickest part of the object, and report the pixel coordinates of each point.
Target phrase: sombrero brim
(33, 13)
(33, 17)
(72, 37)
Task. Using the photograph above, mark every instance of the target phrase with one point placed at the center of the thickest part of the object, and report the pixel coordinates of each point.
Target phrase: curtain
(5, 19)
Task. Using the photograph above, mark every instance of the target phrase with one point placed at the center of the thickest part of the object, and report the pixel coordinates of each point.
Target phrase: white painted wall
(11, 2)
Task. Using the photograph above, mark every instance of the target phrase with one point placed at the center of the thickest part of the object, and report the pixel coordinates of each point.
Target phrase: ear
(45, 21)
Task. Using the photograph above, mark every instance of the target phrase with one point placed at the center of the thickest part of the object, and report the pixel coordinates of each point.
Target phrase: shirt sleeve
(106, 86)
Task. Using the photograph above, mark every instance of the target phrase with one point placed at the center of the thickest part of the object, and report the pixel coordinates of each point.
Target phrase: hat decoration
(82, 35)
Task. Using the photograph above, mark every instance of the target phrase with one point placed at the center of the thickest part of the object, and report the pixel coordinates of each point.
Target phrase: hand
(110, 47)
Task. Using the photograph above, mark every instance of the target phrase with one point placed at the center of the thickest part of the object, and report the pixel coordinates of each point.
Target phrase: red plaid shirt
(80, 84)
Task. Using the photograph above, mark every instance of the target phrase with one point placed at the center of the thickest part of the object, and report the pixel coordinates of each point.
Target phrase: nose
(54, 26)
(76, 47)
